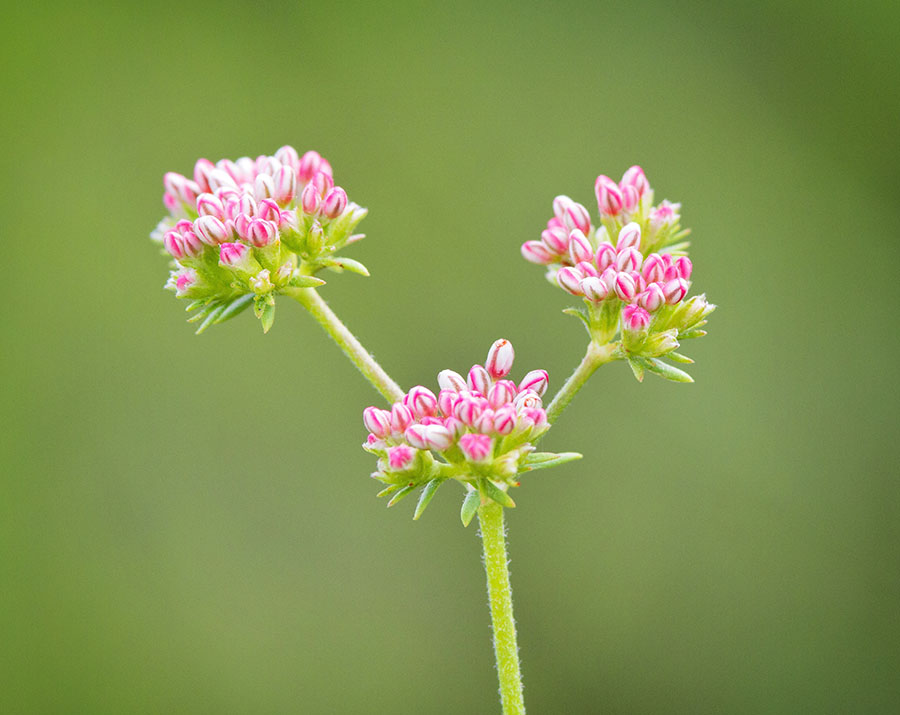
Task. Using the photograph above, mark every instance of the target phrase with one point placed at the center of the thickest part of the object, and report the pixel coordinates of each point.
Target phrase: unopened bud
(401, 457)
(595, 289)
(625, 287)
(609, 196)
(537, 252)
(536, 381)
(479, 379)
(334, 203)
(569, 279)
(629, 237)
(606, 256)
(580, 248)
(500, 359)
(476, 447)
(450, 380)
(675, 290)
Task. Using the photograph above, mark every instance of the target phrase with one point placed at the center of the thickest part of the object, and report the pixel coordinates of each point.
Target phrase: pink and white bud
(609, 196)
(501, 393)
(377, 421)
(455, 426)
(235, 255)
(630, 199)
(421, 401)
(323, 183)
(173, 182)
(171, 202)
(220, 179)
(469, 409)
(527, 398)
(675, 290)
(287, 155)
(654, 268)
(210, 205)
(586, 269)
(401, 457)
(569, 279)
(666, 214)
(261, 233)
(334, 203)
(629, 237)
(577, 217)
(447, 400)
(505, 420)
(476, 447)
(500, 359)
(537, 252)
(201, 174)
(538, 418)
(309, 165)
(625, 287)
(606, 256)
(309, 199)
(284, 185)
(172, 242)
(268, 210)
(479, 380)
(485, 422)
(609, 277)
(536, 381)
(184, 279)
(684, 267)
(560, 208)
(652, 299)
(634, 176)
(451, 380)
(580, 249)
(211, 230)
(629, 259)
(635, 319)
(595, 289)
(415, 435)
(241, 225)
(264, 186)
(438, 437)
(556, 239)
(193, 246)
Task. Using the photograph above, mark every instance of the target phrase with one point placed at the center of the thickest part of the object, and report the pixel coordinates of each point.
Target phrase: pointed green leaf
(542, 460)
(494, 492)
(402, 494)
(390, 489)
(637, 369)
(470, 506)
(235, 308)
(267, 317)
(203, 312)
(299, 281)
(347, 264)
(667, 371)
(579, 313)
(194, 304)
(210, 318)
(425, 498)
(691, 334)
(678, 357)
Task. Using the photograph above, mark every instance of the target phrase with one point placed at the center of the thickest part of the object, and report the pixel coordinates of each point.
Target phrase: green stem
(353, 349)
(493, 538)
(595, 356)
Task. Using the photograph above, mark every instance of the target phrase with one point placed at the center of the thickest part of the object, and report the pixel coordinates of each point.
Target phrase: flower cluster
(240, 232)
(479, 430)
(631, 268)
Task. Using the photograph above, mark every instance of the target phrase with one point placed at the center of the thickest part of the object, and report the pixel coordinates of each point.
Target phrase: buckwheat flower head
(240, 232)
(479, 430)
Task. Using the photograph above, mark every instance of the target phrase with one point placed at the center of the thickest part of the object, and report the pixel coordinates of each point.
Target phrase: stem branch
(493, 538)
(353, 349)
(595, 356)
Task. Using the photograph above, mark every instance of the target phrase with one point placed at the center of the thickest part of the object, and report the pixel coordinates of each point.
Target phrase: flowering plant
(241, 233)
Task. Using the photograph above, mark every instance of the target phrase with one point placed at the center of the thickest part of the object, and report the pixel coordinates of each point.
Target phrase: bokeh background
(187, 522)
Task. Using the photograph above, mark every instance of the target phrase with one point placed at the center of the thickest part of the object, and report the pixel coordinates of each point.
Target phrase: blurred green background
(187, 522)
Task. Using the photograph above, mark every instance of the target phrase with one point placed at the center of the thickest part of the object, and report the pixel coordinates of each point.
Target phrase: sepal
(426, 496)
(543, 460)
(470, 505)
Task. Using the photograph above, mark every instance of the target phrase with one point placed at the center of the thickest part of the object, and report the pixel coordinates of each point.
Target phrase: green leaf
(210, 318)
(494, 492)
(235, 308)
(299, 281)
(346, 264)
(470, 506)
(203, 312)
(402, 494)
(425, 498)
(267, 317)
(390, 489)
(542, 460)
(194, 304)
(581, 314)
(667, 371)
(678, 357)
(637, 369)
(691, 334)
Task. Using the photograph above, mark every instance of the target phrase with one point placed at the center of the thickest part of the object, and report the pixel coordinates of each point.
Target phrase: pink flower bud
(629, 237)
(479, 379)
(184, 279)
(211, 230)
(468, 409)
(538, 418)
(170, 201)
(287, 155)
(505, 420)
(172, 242)
(268, 210)
(569, 279)
(438, 438)
(334, 203)
(401, 417)
(635, 318)
(654, 268)
(309, 200)
(527, 398)
(630, 199)
(308, 166)
(447, 400)
(675, 290)
(485, 422)
(323, 183)
(609, 196)
(628, 259)
(561, 207)
(264, 186)
(556, 239)
(210, 205)
(500, 359)
(476, 447)
(652, 299)
(173, 181)
(609, 277)
(635, 177)
(577, 217)
(625, 287)
(536, 381)
(665, 214)
(201, 174)
(284, 185)
(537, 252)
(241, 225)
(606, 256)
(595, 289)
(193, 246)
(401, 457)
(670, 275)
(684, 267)
(580, 248)
(261, 233)
(377, 421)
(586, 269)
(220, 179)
(450, 380)
(421, 401)
(415, 435)
(234, 255)
(503, 392)
(455, 426)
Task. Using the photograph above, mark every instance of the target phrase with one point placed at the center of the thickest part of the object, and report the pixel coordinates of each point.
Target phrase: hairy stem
(493, 539)
(353, 349)
(595, 356)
